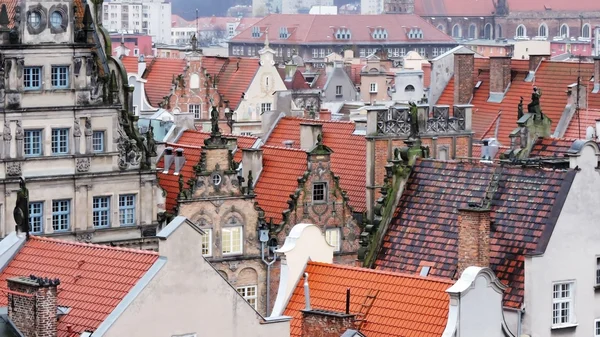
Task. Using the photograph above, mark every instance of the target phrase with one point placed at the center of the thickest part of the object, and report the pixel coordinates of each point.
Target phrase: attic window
(343, 34)
(415, 33)
(283, 33)
(380, 34)
(425, 270)
(256, 32)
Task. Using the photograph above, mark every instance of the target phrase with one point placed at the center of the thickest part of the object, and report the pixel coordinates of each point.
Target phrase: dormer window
(256, 32)
(380, 34)
(342, 34)
(415, 33)
(283, 33)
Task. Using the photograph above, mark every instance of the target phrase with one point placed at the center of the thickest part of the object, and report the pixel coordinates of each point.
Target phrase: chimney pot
(325, 114)
(179, 161)
(168, 159)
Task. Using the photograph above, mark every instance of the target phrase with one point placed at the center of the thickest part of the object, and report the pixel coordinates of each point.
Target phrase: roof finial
(266, 38)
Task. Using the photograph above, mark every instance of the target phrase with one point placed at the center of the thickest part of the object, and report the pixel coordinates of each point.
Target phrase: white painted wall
(139, 17)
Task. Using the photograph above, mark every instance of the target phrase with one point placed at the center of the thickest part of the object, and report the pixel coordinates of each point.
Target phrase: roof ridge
(222, 134)
(477, 163)
(293, 149)
(184, 145)
(92, 245)
(384, 272)
(319, 121)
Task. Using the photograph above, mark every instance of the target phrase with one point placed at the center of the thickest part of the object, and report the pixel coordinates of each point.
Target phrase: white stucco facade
(570, 258)
(134, 16)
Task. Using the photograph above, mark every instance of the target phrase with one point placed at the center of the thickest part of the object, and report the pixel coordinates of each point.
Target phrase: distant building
(208, 30)
(134, 17)
(131, 45)
(323, 10)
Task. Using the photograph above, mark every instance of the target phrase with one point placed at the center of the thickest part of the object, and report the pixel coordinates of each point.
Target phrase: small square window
(101, 212)
(32, 78)
(373, 88)
(207, 242)
(319, 192)
(60, 77)
(32, 143)
(61, 214)
(332, 235)
(98, 141)
(127, 210)
(60, 141)
(36, 217)
(249, 293)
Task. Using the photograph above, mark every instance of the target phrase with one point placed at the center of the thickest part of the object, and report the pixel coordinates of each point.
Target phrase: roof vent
(288, 143)
(179, 160)
(168, 159)
(306, 293)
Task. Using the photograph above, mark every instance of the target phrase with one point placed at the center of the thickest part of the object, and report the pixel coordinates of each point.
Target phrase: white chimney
(141, 65)
(251, 161)
(308, 135)
(168, 159)
(179, 161)
(597, 128)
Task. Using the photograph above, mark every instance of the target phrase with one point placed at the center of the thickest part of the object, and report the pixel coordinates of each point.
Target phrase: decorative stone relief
(85, 237)
(88, 135)
(6, 137)
(19, 135)
(77, 135)
(83, 164)
(13, 169)
(77, 62)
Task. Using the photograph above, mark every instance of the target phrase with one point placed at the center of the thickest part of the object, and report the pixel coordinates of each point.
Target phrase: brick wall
(473, 238)
(499, 73)
(32, 307)
(463, 77)
(316, 323)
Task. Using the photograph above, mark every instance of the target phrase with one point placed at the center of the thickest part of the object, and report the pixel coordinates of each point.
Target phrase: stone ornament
(76, 128)
(85, 237)
(13, 169)
(83, 164)
(19, 134)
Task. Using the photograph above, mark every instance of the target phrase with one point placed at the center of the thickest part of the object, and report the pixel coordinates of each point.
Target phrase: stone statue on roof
(534, 107)
(520, 109)
(414, 120)
(21, 211)
(214, 120)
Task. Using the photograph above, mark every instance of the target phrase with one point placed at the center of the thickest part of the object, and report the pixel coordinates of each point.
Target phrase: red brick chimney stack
(535, 60)
(325, 114)
(32, 305)
(473, 238)
(464, 64)
(499, 74)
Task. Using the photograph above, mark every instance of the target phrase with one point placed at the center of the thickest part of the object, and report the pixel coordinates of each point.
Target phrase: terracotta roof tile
(160, 73)
(348, 160)
(405, 305)
(196, 138)
(93, 278)
(555, 5)
(551, 147)
(454, 7)
(425, 228)
(306, 28)
(235, 78)
(578, 126)
(130, 63)
(279, 178)
(11, 5)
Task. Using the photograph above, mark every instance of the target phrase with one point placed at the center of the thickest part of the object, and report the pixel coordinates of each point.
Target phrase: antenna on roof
(196, 21)
(577, 102)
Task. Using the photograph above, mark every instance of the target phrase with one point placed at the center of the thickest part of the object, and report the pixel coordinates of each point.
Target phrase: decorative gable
(256, 32)
(284, 33)
(380, 34)
(343, 34)
(415, 33)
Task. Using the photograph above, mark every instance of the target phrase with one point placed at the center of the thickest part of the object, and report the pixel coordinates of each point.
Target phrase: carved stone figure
(6, 136)
(214, 120)
(19, 132)
(534, 107)
(520, 108)
(76, 128)
(88, 126)
(414, 120)
(150, 142)
(21, 211)
(250, 182)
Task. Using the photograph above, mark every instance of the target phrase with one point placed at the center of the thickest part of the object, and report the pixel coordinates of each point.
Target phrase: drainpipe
(269, 264)
(520, 312)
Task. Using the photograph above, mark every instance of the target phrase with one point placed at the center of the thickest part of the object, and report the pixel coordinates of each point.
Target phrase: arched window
(543, 30)
(472, 31)
(456, 31)
(488, 31)
(499, 31)
(564, 30)
(586, 31)
(409, 88)
(440, 27)
(194, 81)
(521, 31)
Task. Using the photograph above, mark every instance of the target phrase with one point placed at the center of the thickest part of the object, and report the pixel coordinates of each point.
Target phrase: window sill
(564, 326)
(232, 254)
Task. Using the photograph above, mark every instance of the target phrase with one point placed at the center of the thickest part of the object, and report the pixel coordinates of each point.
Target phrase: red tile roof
(555, 5)
(159, 73)
(297, 82)
(476, 151)
(321, 80)
(279, 178)
(424, 227)
(551, 147)
(234, 73)
(552, 77)
(93, 278)
(348, 160)
(306, 28)
(578, 126)
(196, 138)
(10, 10)
(130, 63)
(405, 305)
(354, 72)
(454, 7)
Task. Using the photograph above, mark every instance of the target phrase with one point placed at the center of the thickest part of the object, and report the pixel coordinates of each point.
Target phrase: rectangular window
(562, 304)
(98, 141)
(60, 141)
(338, 90)
(598, 271)
(32, 143)
(315, 53)
(32, 78)
(422, 52)
(232, 240)
(402, 51)
(60, 77)
(101, 212)
(61, 213)
(434, 52)
(332, 235)
(127, 209)
(249, 294)
(207, 242)
(597, 328)
(319, 192)
(373, 88)
(362, 52)
(36, 217)
(322, 53)
(195, 109)
(264, 107)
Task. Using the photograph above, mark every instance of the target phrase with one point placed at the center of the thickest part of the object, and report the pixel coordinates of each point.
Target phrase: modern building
(313, 37)
(139, 17)
(208, 30)
(70, 130)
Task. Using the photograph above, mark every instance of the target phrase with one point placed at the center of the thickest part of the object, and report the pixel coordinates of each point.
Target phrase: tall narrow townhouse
(68, 127)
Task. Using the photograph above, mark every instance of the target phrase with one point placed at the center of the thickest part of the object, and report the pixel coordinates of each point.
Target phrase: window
(472, 31)
(56, 19)
(265, 107)
(319, 192)
(195, 109)
(36, 217)
(425, 270)
(34, 19)
(216, 180)
(373, 87)
(98, 141)
(456, 31)
(597, 328)
(434, 52)
(32, 143)
(338, 90)
(256, 32)
(543, 30)
(61, 211)
(101, 212)
(409, 88)
(441, 28)
(32, 78)
(60, 141)
(562, 304)
(232, 240)
(315, 53)
(585, 31)
(127, 210)
(488, 31)
(564, 31)
(207, 242)
(598, 271)
(521, 31)
(249, 294)
(332, 235)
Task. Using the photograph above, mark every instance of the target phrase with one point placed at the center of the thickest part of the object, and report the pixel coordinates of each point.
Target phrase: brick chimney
(322, 323)
(32, 305)
(499, 77)
(596, 75)
(473, 238)
(325, 114)
(464, 64)
(535, 60)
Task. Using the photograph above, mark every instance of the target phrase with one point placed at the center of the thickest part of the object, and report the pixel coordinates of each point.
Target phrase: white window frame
(338, 90)
(227, 237)
(244, 290)
(196, 110)
(524, 31)
(265, 107)
(333, 237)
(597, 327)
(373, 88)
(206, 242)
(561, 301)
